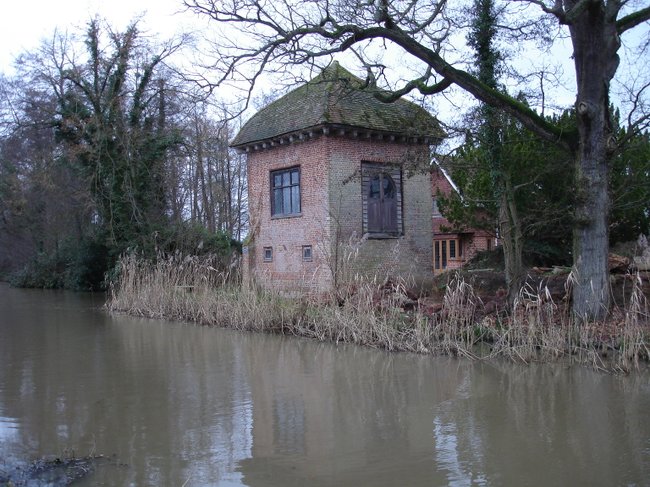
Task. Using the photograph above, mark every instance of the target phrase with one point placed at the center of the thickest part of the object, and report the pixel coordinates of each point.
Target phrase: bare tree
(43, 202)
(260, 35)
(211, 177)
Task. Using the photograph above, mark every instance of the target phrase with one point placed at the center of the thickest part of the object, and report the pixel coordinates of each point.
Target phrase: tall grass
(372, 312)
(633, 336)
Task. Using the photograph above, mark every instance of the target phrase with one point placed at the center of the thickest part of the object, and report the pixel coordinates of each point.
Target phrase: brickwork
(331, 215)
(473, 240)
(287, 236)
(408, 255)
(440, 184)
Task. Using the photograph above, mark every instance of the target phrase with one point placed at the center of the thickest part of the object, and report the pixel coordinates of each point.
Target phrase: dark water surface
(185, 405)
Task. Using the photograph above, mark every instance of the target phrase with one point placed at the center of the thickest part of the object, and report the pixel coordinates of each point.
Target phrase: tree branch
(528, 117)
(575, 11)
(630, 21)
(557, 10)
(417, 84)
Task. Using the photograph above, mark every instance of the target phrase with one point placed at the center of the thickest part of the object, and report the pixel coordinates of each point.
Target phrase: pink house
(338, 185)
(453, 246)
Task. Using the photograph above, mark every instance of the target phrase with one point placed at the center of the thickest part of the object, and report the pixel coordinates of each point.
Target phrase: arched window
(381, 200)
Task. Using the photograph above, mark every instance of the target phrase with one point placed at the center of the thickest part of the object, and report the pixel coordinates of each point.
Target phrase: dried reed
(372, 312)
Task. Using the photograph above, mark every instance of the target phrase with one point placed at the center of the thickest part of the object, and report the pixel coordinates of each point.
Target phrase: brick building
(453, 246)
(338, 184)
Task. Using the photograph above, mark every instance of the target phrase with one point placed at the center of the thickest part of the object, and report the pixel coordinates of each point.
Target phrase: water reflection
(179, 404)
(544, 425)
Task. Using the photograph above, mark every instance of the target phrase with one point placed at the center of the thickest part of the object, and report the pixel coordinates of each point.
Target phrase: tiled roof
(336, 98)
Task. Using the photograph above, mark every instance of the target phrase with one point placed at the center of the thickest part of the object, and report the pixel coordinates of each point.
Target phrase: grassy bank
(381, 315)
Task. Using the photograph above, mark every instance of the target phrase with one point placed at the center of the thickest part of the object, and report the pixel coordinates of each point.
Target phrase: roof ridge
(336, 96)
(319, 78)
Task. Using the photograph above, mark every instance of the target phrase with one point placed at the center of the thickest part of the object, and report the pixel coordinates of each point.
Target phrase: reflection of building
(291, 419)
(453, 246)
(329, 163)
(367, 426)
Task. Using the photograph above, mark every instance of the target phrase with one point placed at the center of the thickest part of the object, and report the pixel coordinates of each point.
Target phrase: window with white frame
(444, 251)
(285, 192)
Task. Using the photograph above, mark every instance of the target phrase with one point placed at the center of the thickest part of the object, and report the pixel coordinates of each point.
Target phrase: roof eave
(335, 130)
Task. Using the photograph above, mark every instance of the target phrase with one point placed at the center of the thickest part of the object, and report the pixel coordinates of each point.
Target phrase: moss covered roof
(336, 98)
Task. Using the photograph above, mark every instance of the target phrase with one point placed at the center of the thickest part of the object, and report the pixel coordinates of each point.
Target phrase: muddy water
(184, 405)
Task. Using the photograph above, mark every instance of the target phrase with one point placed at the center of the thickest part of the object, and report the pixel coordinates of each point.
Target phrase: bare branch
(471, 84)
(632, 20)
(557, 10)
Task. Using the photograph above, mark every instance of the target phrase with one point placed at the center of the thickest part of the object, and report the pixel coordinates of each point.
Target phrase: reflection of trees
(41, 367)
(146, 391)
(183, 402)
(541, 425)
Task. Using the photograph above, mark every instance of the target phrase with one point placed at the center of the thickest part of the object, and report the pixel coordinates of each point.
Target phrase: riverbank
(382, 315)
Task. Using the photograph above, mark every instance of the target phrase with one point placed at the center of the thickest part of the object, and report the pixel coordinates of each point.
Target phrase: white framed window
(285, 192)
(268, 254)
(307, 254)
(446, 250)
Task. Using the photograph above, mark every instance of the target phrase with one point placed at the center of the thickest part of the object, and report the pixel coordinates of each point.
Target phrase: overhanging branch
(528, 117)
(630, 21)
(417, 84)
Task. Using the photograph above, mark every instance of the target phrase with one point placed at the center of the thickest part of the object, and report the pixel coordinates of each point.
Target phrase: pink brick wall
(473, 240)
(440, 183)
(332, 212)
(287, 235)
(331, 215)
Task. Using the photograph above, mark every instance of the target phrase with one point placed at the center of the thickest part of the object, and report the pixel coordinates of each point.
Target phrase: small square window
(268, 254)
(307, 255)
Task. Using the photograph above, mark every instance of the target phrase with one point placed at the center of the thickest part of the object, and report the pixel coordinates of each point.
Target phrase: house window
(285, 192)
(444, 251)
(307, 253)
(268, 254)
(382, 200)
(436, 208)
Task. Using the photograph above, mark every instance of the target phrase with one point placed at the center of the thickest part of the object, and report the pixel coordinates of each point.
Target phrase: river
(175, 404)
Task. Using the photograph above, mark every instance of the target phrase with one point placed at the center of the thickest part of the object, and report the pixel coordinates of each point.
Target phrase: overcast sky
(23, 24)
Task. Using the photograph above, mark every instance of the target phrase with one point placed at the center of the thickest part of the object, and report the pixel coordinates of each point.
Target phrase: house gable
(453, 247)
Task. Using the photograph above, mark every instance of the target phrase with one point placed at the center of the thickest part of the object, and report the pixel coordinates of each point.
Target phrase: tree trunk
(595, 42)
(229, 188)
(511, 241)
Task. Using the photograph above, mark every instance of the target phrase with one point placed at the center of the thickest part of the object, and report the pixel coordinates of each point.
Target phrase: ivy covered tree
(539, 190)
(104, 148)
(112, 118)
(424, 36)
(490, 135)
